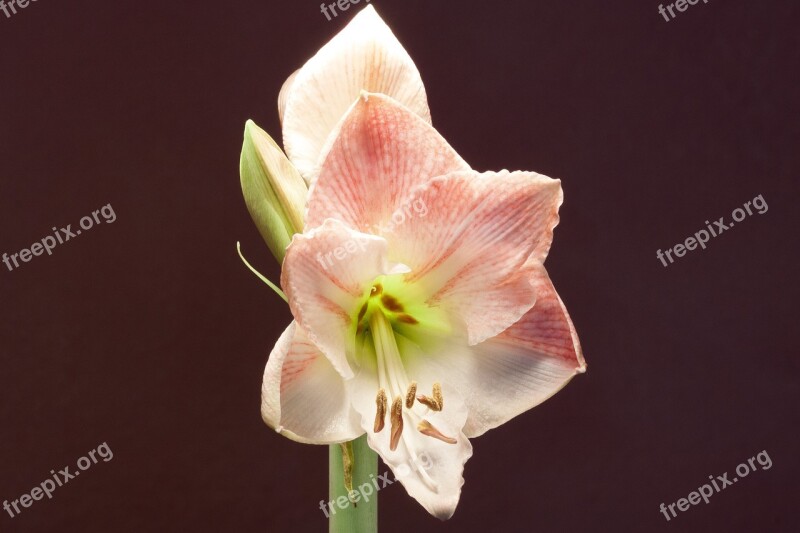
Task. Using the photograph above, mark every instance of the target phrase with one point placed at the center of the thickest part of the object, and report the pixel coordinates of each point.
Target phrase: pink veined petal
(327, 274)
(515, 371)
(380, 151)
(303, 397)
(430, 470)
(467, 250)
(364, 56)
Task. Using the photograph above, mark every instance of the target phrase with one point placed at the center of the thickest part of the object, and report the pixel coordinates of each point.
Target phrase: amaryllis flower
(423, 314)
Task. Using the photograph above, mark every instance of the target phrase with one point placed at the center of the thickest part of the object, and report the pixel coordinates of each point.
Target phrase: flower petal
(284, 94)
(365, 55)
(467, 249)
(381, 151)
(327, 274)
(526, 364)
(430, 470)
(302, 396)
(514, 371)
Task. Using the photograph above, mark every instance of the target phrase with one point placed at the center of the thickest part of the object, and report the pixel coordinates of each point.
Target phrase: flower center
(383, 302)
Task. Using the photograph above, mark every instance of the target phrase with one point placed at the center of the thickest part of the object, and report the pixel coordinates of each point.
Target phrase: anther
(437, 402)
(397, 422)
(426, 428)
(437, 395)
(410, 395)
(380, 416)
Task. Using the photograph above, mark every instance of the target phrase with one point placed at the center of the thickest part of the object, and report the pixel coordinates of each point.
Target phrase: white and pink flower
(425, 333)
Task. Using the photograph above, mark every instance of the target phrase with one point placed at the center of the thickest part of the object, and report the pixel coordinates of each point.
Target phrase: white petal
(512, 372)
(430, 470)
(364, 56)
(302, 396)
(327, 275)
(284, 94)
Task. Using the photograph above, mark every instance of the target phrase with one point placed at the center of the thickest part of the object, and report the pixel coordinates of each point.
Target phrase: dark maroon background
(150, 335)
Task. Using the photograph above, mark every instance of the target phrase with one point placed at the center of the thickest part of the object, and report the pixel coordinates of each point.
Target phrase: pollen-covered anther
(397, 422)
(436, 403)
(426, 428)
(380, 415)
(411, 394)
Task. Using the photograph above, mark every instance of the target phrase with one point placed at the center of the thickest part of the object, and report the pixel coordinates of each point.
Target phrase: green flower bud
(273, 189)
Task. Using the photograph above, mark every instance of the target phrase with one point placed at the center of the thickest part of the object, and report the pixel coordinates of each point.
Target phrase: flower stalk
(356, 511)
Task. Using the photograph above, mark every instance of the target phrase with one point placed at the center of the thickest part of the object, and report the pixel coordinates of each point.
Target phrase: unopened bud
(273, 189)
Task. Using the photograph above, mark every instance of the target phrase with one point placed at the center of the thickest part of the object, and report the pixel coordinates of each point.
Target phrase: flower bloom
(423, 314)
(426, 332)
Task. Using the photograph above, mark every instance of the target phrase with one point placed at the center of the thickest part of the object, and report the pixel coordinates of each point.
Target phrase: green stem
(361, 517)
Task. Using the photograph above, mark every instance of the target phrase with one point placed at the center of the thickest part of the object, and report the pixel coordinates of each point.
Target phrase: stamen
(426, 428)
(412, 392)
(397, 422)
(376, 289)
(437, 402)
(437, 395)
(362, 312)
(380, 416)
